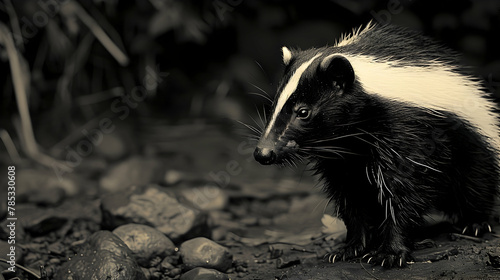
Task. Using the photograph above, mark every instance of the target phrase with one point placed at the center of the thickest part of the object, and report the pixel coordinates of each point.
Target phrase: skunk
(396, 128)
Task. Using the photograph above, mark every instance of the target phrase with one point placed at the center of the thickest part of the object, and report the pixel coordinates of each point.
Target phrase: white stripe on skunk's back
(436, 87)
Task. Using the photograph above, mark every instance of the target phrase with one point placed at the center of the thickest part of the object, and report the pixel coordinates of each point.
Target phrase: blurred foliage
(194, 59)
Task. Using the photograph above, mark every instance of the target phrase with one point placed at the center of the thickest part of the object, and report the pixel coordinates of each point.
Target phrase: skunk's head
(316, 93)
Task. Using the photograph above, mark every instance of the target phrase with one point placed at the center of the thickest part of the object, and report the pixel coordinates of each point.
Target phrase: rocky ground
(192, 204)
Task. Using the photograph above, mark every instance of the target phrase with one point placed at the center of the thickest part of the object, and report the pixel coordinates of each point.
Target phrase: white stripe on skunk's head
(298, 106)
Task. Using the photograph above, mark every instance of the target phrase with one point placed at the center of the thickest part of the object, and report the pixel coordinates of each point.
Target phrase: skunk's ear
(287, 55)
(337, 69)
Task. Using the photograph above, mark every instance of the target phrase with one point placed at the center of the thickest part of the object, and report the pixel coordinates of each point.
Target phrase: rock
(221, 223)
(168, 269)
(165, 265)
(37, 221)
(113, 146)
(146, 273)
(201, 273)
(280, 263)
(103, 256)
(43, 197)
(151, 206)
(250, 221)
(43, 187)
(91, 167)
(145, 242)
(219, 233)
(206, 198)
(203, 252)
(173, 177)
(136, 170)
(493, 260)
(42, 221)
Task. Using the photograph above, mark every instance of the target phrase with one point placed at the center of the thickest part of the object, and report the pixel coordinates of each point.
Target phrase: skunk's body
(395, 128)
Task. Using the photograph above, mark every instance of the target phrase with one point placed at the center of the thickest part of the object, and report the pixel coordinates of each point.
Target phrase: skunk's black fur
(385, 163)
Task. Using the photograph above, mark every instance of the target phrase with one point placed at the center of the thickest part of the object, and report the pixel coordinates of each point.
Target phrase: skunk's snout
(265, 156)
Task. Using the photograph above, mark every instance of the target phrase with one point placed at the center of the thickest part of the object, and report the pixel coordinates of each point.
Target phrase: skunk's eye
(303, 113)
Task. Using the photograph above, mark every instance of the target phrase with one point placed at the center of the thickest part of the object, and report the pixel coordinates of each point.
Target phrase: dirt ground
(460, 260)
(275, 228)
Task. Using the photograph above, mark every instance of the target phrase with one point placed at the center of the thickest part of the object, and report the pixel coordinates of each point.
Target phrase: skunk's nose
(265, 156)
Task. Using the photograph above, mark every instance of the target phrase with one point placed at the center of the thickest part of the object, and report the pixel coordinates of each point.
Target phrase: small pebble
(54, 261)
(201, 273)
(45, 188)
(173, 177)
(249, 221)
(146, 243)
(203, 252)
(241, 269)
(174, 272)
(243, 263)
(207, 198)
(135, 170)
(494, 260)
(275, 253)
(219, 233)
(166, 265)
(280, 263)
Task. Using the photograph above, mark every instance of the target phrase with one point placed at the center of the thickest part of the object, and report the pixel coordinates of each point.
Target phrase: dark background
(209, 55)
(112, 94)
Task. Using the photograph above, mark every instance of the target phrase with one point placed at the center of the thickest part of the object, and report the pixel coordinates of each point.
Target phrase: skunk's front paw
(348, 252)
(388, 259)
